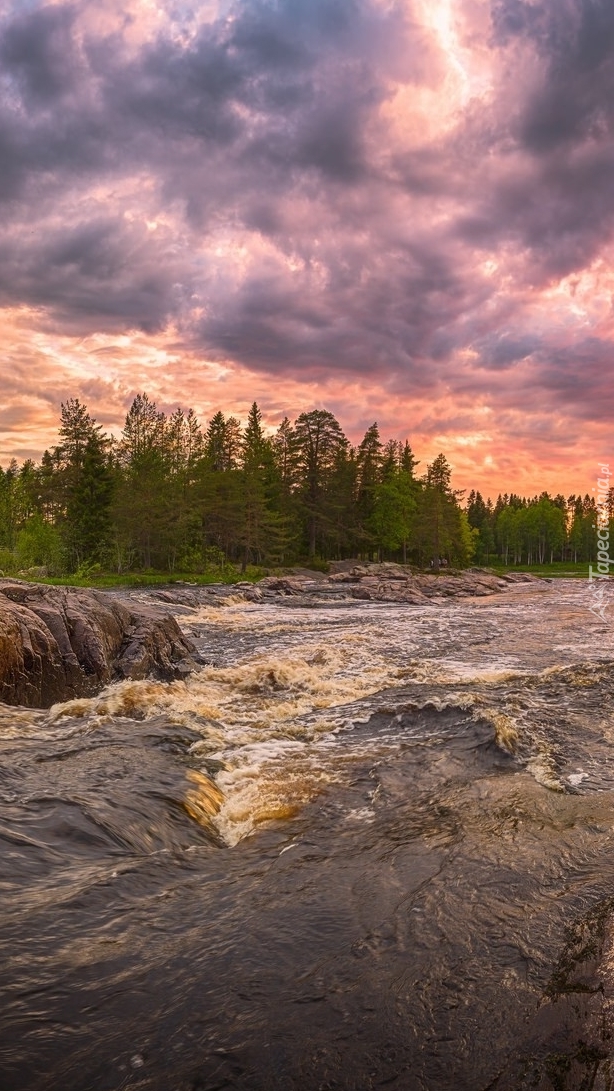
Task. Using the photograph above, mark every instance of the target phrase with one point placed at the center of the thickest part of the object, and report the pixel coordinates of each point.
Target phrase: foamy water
(344, 853)
(274, 711)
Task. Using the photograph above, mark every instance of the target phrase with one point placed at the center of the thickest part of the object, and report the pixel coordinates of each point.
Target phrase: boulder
(287, 585)
(62, 642)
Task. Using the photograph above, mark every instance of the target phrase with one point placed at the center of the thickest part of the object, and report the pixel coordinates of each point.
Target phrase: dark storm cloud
(558, 202)
(97, 267)
(504, 349)
(559, 208)
(362, 321)
(270, 105)
(580, 377)
(576, 41)
(246, 184)
(38, 49)
(171, 93)
(562, 119)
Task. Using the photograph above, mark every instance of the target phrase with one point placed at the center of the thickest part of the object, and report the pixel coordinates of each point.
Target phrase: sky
(397, 210)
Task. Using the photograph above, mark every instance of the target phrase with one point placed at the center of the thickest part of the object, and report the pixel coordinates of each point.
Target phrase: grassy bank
(562, 569)
(229, 574)
(102, 580)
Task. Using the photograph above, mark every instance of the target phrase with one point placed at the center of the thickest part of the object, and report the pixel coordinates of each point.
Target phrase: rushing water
(342, 855)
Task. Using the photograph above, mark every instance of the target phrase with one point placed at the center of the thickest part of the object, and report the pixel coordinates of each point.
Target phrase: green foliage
(468, 539)
(438, 525)
(89, 571)
(320, 447)
(88, 510)
(391, 521)
(8, 562)
(40, 543)
(539, 529)
(368, 480)
(171, 498)
(481, 517)
(317, 564)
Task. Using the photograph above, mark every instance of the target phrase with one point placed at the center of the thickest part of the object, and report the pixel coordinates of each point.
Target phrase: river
(345, 854)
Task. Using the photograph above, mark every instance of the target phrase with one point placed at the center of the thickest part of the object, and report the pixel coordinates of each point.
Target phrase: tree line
(170, 495)
(538, 530)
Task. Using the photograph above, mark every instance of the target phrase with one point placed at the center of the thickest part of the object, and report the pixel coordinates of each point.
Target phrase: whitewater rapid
(345, 853)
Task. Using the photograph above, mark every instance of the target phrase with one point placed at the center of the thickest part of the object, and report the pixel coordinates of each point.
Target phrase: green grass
(229, 574)
(102, 580)
(562, 569)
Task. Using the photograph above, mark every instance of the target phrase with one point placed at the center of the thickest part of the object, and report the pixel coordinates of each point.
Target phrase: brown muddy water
(346, 854)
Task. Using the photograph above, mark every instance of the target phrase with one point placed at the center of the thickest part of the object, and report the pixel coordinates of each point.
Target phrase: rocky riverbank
(62, 642)
(384, 582)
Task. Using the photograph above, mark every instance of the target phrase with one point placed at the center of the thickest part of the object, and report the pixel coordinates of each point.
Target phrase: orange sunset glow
(397, 210)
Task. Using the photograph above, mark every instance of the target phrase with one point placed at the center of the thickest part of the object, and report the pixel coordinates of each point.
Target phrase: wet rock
(353, 569)
(570, 1043)
(370, 582)
(61, 642)
(288, 585)
(31, 663)
(252, 593)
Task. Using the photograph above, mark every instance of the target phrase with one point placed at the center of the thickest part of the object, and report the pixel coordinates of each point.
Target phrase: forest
(171, 496)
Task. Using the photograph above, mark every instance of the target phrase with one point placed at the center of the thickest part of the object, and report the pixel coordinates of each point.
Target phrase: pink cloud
(401, 212)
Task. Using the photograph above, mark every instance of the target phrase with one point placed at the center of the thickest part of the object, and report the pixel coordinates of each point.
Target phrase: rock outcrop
(62, 642)
(385, 582)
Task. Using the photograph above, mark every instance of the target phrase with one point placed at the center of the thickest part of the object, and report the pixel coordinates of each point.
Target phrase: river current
(344, 854)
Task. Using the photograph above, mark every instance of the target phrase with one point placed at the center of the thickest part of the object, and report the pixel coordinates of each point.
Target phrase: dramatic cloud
(398, 209)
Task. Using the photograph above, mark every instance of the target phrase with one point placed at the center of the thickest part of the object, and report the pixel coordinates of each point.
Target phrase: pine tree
(50, 484)
(438, 523)
(257, 520)
(89, 507)
(9, 513)
(481, 518)
(319, 439)
(369, 466)
(76, 428)
(284, 488)
(143, 431)
(141, 513)
(338, 507)
(393, 516)
(223, 443)
(408, 462)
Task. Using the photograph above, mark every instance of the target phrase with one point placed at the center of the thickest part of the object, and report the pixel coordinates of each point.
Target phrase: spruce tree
(89, 507)
(438, 523)
(369, 472)
(319, 438)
